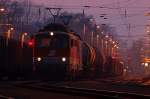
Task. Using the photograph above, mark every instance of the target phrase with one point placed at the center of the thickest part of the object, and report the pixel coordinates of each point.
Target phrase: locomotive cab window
(54, 42)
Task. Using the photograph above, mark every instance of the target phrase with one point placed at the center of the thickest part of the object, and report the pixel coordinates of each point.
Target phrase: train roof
(54, 27)
(71, 34)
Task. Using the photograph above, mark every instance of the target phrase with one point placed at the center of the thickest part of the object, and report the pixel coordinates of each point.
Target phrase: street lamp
(107, 36)
(2, 9)
(97, 26)
(113, 42)
(9, 35)
(11, 28)
(22, 38)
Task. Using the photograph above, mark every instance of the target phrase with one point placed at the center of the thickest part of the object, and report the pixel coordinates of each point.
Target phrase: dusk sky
(134, 9)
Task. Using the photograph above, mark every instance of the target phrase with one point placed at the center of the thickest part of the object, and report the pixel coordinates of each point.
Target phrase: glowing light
(51, 33)
(146, 64)
(25, 34)
(97, 26)
(125, 70)
(97, 36)
(115, 45)
(106, 36)
(147, 31)
(12, 29)
(142, 63)
(2, 9)
(39, 59)
(63, 59)
(30, 43)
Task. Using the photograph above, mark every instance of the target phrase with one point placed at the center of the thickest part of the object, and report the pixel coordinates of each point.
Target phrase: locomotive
(55, 53)
(59, 52)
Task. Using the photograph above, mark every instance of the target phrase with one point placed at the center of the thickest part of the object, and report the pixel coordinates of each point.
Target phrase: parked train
(59, 52)
(15, 61)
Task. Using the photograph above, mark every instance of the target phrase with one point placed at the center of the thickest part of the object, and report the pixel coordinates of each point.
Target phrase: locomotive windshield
(52, 42)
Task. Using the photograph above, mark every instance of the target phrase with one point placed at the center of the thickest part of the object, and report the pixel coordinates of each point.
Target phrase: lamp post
(22, 38)
(2, 9)
(8, 35)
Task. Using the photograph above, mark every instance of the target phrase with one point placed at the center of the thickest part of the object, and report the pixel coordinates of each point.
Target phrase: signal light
(30, 43)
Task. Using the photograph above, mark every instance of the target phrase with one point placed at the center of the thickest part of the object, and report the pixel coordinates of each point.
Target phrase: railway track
(5, 97)
(83, 91)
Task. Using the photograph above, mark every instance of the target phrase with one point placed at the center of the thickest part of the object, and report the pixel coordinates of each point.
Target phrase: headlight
(39, 59)
(146, 64)
(63, 59)
(51, 33)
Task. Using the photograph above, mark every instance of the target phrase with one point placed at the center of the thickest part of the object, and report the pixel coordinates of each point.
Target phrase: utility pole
(84, 25)
(28, 11)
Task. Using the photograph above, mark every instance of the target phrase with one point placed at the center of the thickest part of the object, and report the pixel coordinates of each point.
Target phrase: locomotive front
(51, 52)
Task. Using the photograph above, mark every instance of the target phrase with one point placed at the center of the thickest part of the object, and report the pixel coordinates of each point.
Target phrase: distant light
(12, 29)
(97, 26)
(91, 19)
(2, 9)
(30, 43)
(106, 36)
(63, 59)
(125, 70)
(51, 33)
(147, 31)
(142, 63)
(39, 59)
(113, 42)
(146, 64)
(97, 36)
(115, 45)
(25, 34)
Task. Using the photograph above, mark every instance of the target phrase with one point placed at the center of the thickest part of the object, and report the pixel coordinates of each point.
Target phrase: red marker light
(30, 43)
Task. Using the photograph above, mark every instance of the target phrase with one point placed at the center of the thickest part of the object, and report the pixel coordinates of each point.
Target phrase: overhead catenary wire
(108, 7)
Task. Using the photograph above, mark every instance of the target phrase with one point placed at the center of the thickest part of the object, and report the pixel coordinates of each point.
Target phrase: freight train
(55, 52)
(59, 52)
